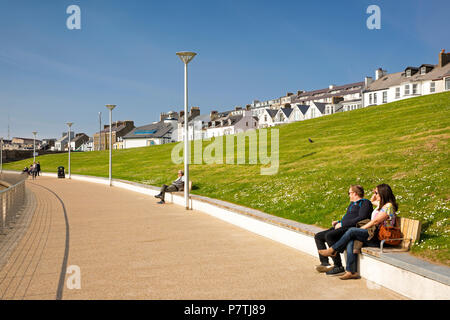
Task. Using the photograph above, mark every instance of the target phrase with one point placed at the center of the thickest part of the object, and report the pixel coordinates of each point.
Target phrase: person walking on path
(359, 209)
(384, 214)
(177, 185)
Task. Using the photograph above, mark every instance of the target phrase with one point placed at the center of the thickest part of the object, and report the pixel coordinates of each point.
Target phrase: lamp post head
(111, 106)
(186, 56)
(69, 124)
(34, 132)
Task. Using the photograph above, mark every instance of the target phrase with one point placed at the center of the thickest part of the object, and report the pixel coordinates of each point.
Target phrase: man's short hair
(181, 171)
(359, 190)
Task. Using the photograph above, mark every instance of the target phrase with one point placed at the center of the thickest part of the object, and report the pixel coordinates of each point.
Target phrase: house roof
(272, 112)
(303, 108)
(395, 79)
(80, 137)
(320, 106)
(287, 111)
(154, 130)
(346, 89)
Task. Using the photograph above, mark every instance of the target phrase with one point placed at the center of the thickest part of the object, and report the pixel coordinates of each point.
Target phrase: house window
(432, 87)
(406, 89)
(397, 92)
(265, 118)
(423, 70)
(447, 84)
(313, 113)
(370, 98)
(246, 124)
(408, 73)
(384, 96)
(375, 98)
(414, 88)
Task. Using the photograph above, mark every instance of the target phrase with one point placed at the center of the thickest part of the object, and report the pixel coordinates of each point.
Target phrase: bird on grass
(309, 139)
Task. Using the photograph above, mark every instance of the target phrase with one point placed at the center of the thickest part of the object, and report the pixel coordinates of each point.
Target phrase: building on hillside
(193, 113)
(282, 115)
(157, 133)
(411, 82)
(231, 124)
(88, 145)
(61, 143)
(298, 112)
(119, 130)
(78, 141)
(267, 118)
(331, 95)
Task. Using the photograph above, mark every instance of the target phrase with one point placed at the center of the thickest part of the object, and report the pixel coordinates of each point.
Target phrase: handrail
(11, 199)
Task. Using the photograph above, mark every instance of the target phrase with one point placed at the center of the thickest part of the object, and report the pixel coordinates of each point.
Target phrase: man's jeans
(346, 242)
(330, 237)
(166, 188)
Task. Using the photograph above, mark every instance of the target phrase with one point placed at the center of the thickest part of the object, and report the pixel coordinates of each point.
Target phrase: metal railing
(11, 199)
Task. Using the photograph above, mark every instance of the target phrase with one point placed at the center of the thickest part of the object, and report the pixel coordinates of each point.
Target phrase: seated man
(177, 185)
(359, 209)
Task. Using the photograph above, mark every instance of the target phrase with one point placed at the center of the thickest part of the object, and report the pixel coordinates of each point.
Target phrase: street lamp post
(1, 155)
(110, 107)
(69, 124)
(100, 132)
(186, 57)
(34, 146)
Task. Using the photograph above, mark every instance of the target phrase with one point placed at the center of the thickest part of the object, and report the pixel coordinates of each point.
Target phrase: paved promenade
(128, 247)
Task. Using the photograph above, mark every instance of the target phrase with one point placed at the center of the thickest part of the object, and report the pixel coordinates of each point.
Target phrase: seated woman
(386, 215)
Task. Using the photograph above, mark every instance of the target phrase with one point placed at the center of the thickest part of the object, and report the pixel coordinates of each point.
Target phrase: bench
(180, 192)
(410, 229)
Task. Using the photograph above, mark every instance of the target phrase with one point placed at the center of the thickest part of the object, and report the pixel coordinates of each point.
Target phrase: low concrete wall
(393, 275)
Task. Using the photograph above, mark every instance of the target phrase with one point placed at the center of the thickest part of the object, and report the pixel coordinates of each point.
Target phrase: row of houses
(383, 88)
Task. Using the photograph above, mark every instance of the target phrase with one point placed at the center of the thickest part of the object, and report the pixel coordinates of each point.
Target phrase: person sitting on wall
(359, 209)
(177, 185)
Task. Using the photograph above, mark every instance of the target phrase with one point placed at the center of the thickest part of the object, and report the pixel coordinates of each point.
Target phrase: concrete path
(128, 247)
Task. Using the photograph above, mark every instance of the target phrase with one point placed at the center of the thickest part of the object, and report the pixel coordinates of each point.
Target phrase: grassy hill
(404, 144)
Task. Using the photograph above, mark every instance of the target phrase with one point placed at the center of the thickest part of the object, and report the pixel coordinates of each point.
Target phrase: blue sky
(124, 54)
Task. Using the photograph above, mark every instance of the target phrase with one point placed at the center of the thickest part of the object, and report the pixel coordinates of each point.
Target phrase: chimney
(181, 114)
(162, 116)
(289, 94)
(379, 73)
(331, 86)
(336, 100)
(299, 92)
(237, 108)
(195, 111)
(444, 58)
(367, 81)
(248, 107)
(213, 115)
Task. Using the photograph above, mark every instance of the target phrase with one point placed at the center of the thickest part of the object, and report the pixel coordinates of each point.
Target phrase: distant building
(61, 143)
(152, 134)
(411, 82)
(88, 145)
(79, 140)
(119, 130)
(231, 124)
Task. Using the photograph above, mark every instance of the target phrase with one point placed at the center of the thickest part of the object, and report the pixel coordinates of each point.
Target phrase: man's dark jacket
(357, 211)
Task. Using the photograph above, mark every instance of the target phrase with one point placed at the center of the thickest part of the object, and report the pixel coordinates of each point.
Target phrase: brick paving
(128, 247)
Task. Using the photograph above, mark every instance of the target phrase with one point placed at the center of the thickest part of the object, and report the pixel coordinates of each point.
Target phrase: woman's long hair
(386, 196)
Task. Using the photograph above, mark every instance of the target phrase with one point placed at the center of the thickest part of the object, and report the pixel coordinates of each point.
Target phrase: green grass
(404, 144)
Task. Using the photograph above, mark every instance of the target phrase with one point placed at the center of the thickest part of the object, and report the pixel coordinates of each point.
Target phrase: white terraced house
(412, 82)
